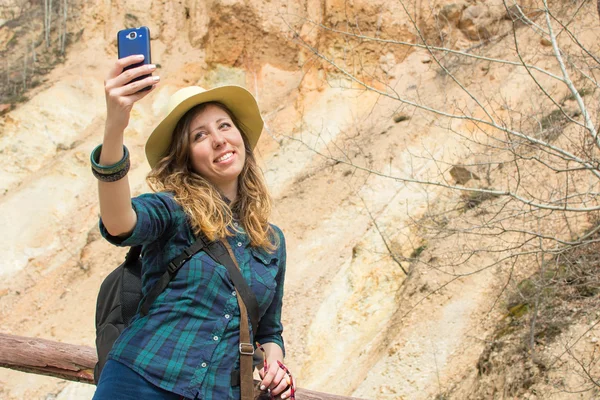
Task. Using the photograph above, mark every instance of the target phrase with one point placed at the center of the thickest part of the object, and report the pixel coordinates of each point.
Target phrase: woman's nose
(218, 139)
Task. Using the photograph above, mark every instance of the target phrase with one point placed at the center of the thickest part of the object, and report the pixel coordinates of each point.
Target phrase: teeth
(224, 157)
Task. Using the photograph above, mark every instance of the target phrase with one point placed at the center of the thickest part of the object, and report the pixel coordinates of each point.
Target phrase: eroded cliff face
(354, 323)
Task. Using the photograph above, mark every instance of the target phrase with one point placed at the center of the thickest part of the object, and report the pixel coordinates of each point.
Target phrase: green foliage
(550, 120)
(17, 98)
(526, 288)
(417, 252)
(472, 200)
(582, 92)
(519, 310)
(131, 21)
(504, 330)
(401, 117)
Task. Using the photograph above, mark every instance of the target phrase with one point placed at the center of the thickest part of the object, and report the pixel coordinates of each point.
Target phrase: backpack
(117, 303)
(120, 295)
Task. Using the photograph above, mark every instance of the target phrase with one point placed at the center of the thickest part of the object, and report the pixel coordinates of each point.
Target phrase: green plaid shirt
(188, 342)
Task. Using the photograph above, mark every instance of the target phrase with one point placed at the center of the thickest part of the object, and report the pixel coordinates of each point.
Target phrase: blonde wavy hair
(205, 206)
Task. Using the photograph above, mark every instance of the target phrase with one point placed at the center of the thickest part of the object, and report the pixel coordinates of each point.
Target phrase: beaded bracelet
(114, 176)
(109, 173)
(107, 169)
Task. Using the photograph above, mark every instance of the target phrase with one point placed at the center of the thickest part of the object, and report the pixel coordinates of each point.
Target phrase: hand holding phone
(130, 78)
(135, 41)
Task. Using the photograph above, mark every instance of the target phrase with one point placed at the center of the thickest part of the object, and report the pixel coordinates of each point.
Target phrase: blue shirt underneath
(188, 342)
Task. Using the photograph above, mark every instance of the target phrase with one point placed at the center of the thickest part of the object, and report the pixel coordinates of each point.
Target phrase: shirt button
(239, 244)
(203, 365)
(233, 293)
(227, 316)
(215, 338)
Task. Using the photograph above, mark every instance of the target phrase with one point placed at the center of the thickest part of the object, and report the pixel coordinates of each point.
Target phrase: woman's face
(217, 150)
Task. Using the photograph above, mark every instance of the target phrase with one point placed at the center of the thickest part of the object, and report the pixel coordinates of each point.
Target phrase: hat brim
(238, 100)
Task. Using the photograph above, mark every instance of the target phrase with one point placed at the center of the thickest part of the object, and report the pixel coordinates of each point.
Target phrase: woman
(206, 180)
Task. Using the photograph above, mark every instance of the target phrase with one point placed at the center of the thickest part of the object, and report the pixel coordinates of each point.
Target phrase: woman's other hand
(122, 93)
(277, 379)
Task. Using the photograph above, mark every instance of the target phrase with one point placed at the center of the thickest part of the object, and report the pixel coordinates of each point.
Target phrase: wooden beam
(46, 357)
(76, 363)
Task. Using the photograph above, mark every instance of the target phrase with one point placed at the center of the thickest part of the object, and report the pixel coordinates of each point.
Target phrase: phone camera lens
(132, 35)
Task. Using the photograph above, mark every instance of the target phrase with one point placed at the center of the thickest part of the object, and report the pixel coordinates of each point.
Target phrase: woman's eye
(198, 136)
(225, 125)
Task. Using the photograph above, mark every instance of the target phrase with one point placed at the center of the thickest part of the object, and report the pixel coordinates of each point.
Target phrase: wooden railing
(76, 363)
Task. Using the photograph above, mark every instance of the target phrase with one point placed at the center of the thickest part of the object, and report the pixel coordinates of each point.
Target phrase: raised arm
(115, 197)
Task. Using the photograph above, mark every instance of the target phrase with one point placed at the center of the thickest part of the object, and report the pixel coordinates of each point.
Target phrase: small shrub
(417, 252)
(519, 310)
(472, 200)
(550, 120)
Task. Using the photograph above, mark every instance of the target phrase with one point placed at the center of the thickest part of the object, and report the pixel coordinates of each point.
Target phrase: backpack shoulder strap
(174, 266)
(131, 292)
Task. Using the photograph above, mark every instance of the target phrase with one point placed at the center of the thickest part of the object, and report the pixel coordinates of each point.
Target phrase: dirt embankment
(375, 305)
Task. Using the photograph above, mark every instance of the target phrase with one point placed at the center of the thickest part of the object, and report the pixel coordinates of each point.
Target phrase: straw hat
(237, 99)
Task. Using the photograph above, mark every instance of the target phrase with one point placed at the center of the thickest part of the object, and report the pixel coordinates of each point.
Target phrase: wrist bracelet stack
(109, 173)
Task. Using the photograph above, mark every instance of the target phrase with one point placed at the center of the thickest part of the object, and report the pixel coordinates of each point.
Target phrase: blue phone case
(135, 41)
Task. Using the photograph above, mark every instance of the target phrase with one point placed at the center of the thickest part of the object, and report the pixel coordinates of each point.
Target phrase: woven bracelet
(114, 176)
(108, 169)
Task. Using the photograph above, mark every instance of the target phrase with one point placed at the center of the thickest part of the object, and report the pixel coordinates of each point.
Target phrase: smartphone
(135, 41)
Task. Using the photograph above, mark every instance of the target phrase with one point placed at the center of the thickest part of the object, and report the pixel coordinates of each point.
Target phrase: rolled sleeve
(270, 328)
(155, 213)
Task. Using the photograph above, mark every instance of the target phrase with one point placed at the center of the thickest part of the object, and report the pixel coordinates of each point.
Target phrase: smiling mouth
(224, 157)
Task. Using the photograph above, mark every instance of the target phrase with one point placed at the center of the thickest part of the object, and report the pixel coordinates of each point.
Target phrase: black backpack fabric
(118, 300)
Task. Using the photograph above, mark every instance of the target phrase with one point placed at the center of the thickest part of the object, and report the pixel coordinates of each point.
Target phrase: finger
(122, 63)
(262, 372)
(138, 96)
(126, 102)
(279, 377)
(268, 378)
(127, 76)
(135, 87)
(284, 383)
(286, 394)
(290, 380)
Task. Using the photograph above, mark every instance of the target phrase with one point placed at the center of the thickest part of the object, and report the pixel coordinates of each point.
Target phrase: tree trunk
(64, 29)
(24, 74)
(47, 20)
(76, 363)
